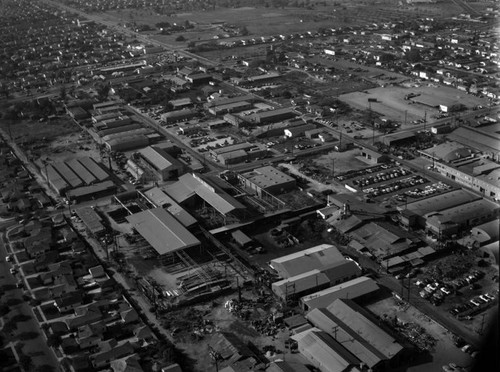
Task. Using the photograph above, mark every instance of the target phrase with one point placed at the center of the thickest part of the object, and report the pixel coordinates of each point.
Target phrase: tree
(244, 31)
(25, 362)
(62, 93)
(54, 340)
(180, 38)
(103, 91)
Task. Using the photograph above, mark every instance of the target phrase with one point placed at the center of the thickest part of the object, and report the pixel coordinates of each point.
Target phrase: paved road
(37, 348)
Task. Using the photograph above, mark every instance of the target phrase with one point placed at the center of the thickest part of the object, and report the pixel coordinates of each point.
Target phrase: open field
(392, 105)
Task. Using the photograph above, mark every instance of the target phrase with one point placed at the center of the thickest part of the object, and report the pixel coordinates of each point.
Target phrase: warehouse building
(87, 177)
(162, 231)
(126, 143)
(160, 163)
(452, 220)
(95, 168)
(436, 203)
(318, 257)
(178, 115)
(56, 182)
(230, 108)
(268, 179)
(324, 352)
(160, 199)
(227, 101)
(353, 289)
(95, 191)
(69, 176)
(298, 131)
(273, 116)
(91, 220)
(195, 190)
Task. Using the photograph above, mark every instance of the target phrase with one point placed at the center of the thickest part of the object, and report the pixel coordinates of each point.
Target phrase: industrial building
(318, 257)
(420, 208)
(452, 220)
(94, 191)
(87, 177)
(298, 131)
(69, 176)
(91, 220)
(162, 231)
(55, 180)
(230, 108)
(352, 289)
(272, 116)
(268, 179)
(160, 199)
(238, 153)
(161, 164)
(127, 142)
(195, 190)
(356, 331)
(178, 115)
(324, 352)
(294, 287)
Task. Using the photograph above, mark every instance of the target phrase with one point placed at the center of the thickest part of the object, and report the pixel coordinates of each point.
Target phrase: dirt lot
(392, 105)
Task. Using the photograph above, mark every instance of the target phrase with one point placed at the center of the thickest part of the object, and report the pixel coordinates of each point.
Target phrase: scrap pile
(417, 335)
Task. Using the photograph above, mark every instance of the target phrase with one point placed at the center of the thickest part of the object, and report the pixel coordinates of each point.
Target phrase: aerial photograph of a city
(249, 185)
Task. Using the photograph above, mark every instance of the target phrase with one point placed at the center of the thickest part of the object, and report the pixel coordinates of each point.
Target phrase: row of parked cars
(436, 291)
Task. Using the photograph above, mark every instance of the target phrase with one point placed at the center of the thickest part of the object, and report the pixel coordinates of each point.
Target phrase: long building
(93, 167)
(55, 180)
(87, 177)
(162, 231)
(160, 163)
(160, 199)
(69, 176)
(319, 257)
(351, 289)
(268, 179)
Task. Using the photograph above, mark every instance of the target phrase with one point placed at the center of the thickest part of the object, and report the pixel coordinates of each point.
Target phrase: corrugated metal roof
(82, 172)
(158, 158)
(350, 289)
(442, 201)
(69, 176)
(326, 321)
(356, 318)
(94, 168)
(309, 259)
(324, 350)
(160, 199)
(162, 231)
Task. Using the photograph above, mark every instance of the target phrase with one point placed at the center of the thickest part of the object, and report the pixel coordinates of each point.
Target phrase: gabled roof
(360, 322)
(162, 231)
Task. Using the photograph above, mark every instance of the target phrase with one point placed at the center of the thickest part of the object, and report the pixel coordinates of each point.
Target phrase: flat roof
(162, 231)
(91, 189)
(306, 260)
(448, 151)
(476, 138)
(268, 176)
(461, 213)
(351, 289)
(91, 219)
(231, 148)
(442, 201)
(280, 111)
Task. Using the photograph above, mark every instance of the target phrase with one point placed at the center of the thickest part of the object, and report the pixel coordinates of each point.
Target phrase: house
(110, 352)
(68, 301)
(130, 363)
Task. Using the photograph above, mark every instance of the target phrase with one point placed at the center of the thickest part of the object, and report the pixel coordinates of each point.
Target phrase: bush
(13, 301)
(180, 38)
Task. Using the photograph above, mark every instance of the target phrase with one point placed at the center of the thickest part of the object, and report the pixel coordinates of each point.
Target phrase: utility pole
(333, 167)
(406, 116)
(425, 120)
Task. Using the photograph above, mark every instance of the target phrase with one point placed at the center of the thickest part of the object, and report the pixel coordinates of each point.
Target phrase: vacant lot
(392, 105)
